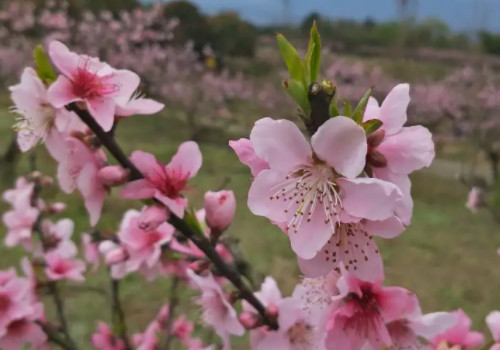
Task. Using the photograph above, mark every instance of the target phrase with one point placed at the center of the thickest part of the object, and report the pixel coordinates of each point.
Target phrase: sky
(460, 15)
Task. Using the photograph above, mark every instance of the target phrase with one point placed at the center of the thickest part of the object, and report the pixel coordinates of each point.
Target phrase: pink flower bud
(219, 208)
(199, 266)
(116, 256)
(56, 208)
(272, 311)
(152, 217)
(475, 199)
(113, 175)
(163, 314)
(249, 320)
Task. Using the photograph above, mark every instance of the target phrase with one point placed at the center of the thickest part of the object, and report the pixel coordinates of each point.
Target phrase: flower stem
(118, 314)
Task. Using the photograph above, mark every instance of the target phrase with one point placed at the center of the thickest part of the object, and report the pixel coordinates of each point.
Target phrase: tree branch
(174, 301)
(182, 226)
(54, 336)
(118, 314)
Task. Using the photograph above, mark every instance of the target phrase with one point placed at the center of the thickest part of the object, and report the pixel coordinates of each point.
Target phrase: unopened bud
(249, 320)
(376, 159)
(272, 311)
(47, 181)
(152, 217)
(376, 138)
(113, 175)
(116, 256)
(219, 208)
(56, 208)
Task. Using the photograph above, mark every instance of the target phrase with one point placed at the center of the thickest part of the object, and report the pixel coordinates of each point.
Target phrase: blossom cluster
(331, 194)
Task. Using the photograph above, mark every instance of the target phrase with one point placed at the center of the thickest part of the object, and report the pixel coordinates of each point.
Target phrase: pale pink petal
(138, 189)
(103, 111)
(408, 150)
(26, 140)
(393, 109)
(369, 198)
(61, 93)
(397, 303)
(493, 322)
(280, 143)
(342, 144)
(139, 106)
(64, 60)
(372, 110)
(430, 325)
(176, 206)
(188, 158)
(357, 252)
(126, 82)
(388, 228)
(262, 189)
(311, 235)
(473, 340)
(246, 154)
(405, 208)
(93, 192)
(148, 165)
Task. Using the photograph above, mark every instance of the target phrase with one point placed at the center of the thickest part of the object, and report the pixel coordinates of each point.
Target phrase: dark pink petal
(61, 93)
(397, 303)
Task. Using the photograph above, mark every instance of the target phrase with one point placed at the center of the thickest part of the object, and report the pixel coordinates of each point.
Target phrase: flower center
(89, 85)
(366, 315)
(299, 333)
(306, 190)
(4, 303)
(176, 182)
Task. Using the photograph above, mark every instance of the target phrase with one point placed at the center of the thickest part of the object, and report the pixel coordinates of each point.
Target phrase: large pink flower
(395, 151)
(217, 311)
(459, 334)
(89, 80)
(165, 182)
(14, 301)
(312, 189)
(353, 247)
(358, 315)
(60, 267)
(24, 330)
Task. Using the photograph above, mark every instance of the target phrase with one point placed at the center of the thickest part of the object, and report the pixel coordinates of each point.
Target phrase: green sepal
(359, 111)
(43, 67)
(192, 221)
(347, 109)
(371, 126)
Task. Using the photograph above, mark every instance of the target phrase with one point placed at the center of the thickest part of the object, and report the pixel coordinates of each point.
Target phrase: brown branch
(118, 315)
(172, 305)
(182, 226)
(54, 336)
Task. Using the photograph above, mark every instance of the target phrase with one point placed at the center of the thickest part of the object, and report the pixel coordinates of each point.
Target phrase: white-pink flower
(459, 334)
(395, 151)
(217, 311)
(89, 80)
(312, 189)
(14, 301)
(57, 237)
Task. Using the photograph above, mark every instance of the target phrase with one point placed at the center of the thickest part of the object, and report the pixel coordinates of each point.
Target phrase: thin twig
(174, 301)
(54, 336)
(118, 314)
(182, 226)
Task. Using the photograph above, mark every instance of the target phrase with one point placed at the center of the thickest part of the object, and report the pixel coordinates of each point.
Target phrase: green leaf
(371, 126)
(334, 109)
(192, 221)
(299, 94)
(292, 60)
(347, 109)
(313, 56)
(43, 67)
(359, 111)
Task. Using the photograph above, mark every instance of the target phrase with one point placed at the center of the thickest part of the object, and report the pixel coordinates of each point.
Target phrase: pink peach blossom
(304, 188)
(90, 250)
(217, 311)
(395, 151)
(104, 339)
(493, 322)
(61, 267)
(165, 183)
(14, 301)
(459, 334)
(359, 314)
(91, 81)
(58, 237)
(24, 330)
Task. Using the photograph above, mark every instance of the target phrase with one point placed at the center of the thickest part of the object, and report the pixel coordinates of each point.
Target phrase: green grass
(447, 256)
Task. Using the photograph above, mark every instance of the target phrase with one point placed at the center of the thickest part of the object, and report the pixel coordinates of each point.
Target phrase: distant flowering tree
(330, 191)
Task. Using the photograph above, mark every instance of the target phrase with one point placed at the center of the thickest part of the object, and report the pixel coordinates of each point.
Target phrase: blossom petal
(342, 144)
(246, 154)
(393, 109)
(372, 110)
(139, 106)
(103, 111)
(280, 143)
(405, 207)
(430, 325)
(397, 303)
(138, 189)
(64, 60)
(126, 82)
(369, 198)
(188, 158)
(408, 150)
(388, 228)
(148, 165)
(61, 93)
(262, 189)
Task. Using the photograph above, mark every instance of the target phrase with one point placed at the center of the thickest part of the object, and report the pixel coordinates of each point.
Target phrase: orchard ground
(447, 256)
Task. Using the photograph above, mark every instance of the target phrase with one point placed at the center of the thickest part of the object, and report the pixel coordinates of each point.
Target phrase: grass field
(447, 256)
